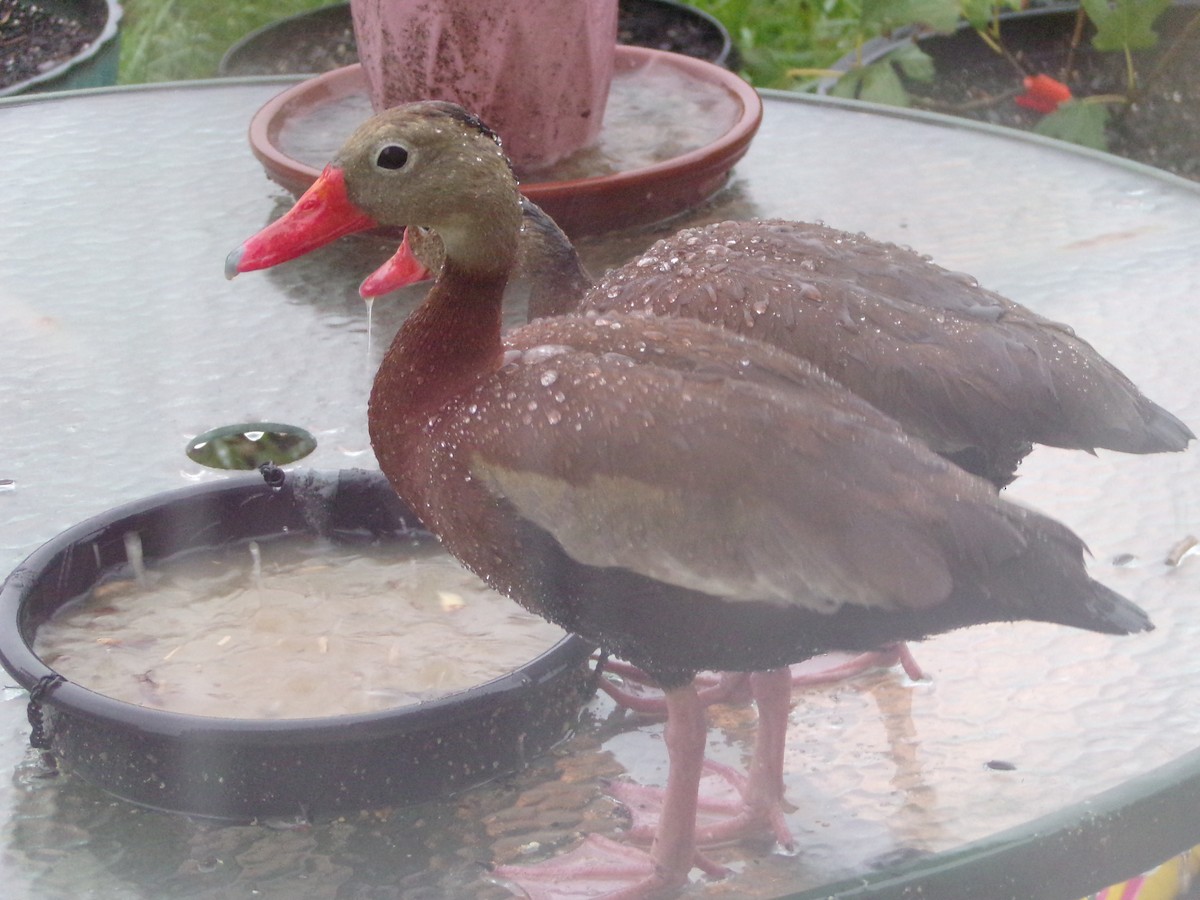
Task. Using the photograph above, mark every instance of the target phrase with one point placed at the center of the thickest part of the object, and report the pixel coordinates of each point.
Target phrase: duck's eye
(393, 156)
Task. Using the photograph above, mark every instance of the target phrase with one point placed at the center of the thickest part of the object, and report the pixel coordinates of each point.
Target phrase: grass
(169, 40)
(173, 40)
(776, 37)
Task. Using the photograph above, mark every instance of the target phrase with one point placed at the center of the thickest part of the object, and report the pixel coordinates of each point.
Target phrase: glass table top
(122, 340)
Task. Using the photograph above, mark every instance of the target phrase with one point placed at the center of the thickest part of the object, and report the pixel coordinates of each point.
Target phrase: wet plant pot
(1161, 129)
(323, 39)
(294, 133)
(241, 769)
(58, 45)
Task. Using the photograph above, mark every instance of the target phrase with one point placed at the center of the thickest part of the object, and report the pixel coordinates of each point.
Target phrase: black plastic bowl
(248, 768)
(95, 64)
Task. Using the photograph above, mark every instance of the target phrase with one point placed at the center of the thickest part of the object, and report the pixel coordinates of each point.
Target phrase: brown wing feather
(959, 366)
(712, 481)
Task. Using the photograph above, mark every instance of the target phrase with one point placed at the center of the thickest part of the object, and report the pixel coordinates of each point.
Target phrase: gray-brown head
(429, 164)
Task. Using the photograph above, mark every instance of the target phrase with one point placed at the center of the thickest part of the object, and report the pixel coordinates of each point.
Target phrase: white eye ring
(391, 157)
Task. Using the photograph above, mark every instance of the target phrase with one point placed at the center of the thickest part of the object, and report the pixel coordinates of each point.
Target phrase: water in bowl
(292, 629)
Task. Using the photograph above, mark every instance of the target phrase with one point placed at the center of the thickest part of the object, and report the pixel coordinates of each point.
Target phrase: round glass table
(1036, 762)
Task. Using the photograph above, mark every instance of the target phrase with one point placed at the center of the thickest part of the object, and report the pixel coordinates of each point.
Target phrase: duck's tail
(1162, 432)
(1049, 581)
(1106, 611)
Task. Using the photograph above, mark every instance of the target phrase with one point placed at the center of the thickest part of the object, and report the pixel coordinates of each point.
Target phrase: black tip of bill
(232, 262)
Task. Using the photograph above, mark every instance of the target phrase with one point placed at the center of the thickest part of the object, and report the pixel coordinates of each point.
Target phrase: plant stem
(999, 46)
(1168, 56)
(814, 73)
(1076, 40)
(1109, 99)
(981, 103)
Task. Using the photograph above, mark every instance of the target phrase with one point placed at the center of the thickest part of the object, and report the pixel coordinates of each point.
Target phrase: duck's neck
(453, 339)
(447, 343)
(557, 277)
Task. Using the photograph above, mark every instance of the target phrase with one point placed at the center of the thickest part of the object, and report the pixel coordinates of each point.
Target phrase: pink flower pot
(538, 71)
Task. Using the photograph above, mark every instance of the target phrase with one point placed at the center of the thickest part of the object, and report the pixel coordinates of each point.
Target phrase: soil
(1161, 129)
(34, 40)
(661, 28)
(327, 43)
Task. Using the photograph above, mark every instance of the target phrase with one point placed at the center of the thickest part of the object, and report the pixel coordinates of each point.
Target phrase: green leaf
(847, 86)
(913, 62)
(877, 83)
(881, 84)
(1077, 122)
(979, 13)
(1122, 24)
(880, 81)
(882, 16)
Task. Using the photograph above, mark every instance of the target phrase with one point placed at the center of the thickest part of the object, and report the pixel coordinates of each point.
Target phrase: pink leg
(818, 671)
(685, 735)
(762, 793)
(911, 667)
(638, 697)
(733, 805)
(731, 687)
(600, 868)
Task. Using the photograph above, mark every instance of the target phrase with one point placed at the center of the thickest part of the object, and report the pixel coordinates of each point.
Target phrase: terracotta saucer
(640, 194)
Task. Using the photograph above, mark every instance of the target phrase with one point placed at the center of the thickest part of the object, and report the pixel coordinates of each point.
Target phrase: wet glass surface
(121, 208)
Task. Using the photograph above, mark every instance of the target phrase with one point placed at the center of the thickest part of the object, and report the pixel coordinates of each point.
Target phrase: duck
(978, 377)
(683, 496)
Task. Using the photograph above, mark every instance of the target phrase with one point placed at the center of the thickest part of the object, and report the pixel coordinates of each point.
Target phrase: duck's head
(428, 164)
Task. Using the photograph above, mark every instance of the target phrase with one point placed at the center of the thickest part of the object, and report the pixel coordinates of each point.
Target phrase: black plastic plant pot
(94, 64)
(242, 769)
(1036, 34)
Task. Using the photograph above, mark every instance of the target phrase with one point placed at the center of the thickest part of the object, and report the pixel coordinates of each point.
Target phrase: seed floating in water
(1182, 550)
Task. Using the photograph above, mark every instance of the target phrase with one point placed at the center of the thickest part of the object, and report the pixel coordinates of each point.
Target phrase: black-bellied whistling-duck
(685, 497)
(978, 377)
